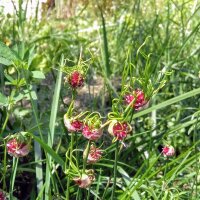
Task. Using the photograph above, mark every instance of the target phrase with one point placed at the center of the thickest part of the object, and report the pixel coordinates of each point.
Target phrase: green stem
(3, 128)
(13, 175)
(164, 178)
(88, 194)
(86, 156)
(98, 184)
(78, 194)
(105, 124)
(9, 110)
(115, 170)
(4, 167)
(5, 123)
(70, 160)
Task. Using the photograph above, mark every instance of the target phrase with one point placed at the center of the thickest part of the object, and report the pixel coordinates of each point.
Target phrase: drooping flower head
(73, 125)
(168, 151)
(19, 145)
(119, 129)
(2, 195)
(92, 127)
(75, 79)
(137, 98)
(85, 179)
(91, 133)
(94, 154)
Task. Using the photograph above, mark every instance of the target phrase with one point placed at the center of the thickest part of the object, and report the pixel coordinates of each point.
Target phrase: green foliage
(7, 57)
(118, 46)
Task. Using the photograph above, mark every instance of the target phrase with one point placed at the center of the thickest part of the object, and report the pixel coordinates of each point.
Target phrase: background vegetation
(156, 40)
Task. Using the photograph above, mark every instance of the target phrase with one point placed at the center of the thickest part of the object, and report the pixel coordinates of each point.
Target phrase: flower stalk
(70, 160)
(13, 176)
(87, 150)
(115, 170)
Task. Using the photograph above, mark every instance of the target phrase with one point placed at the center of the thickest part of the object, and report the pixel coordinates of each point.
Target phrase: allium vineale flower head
(91, 133)
(75, 79)
(73, 125)
(119, 129)
(137, 98)
(19, 145)
(85, 179)
(92, 127)
(2, 195)
(168, 151)
(94, 155)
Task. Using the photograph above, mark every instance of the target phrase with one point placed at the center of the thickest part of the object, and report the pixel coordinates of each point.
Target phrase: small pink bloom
(76, 79)
(94, 155)
(84, 180)
(91, 133)
(2, 195)
(73, 125)
(138, 103)
(16, 148)
(168, 151)
(119, 129)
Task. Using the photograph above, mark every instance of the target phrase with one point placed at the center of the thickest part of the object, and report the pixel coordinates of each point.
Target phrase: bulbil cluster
(118, 129)
(2, 195)
(168, 151)
(85, 179)
(137, 99)
(94, 154)
(19, 145)
(75, 79)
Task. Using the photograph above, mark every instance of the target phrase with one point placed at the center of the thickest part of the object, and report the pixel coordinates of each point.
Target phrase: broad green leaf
(8, 77)
(31, 55)
(3, 100)
(33, 95)
(19, 50)
(19, 97)
(38, 74)
(5, 61)
(6, 54)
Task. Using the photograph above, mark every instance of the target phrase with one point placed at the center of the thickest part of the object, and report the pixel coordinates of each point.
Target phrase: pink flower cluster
(92, 133)
(119, 129)
(168, 151)
(84, 180)
(2, 195)
(75, 79)
(94, 155)
(75, 125)
(137, 98)
(18, 145)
